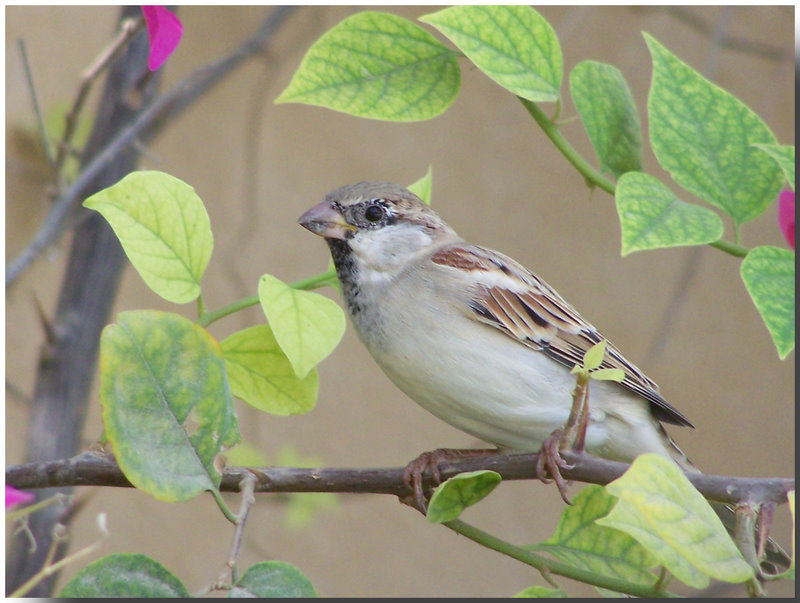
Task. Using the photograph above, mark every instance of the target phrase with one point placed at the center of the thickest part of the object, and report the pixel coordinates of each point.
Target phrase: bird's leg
(571, 437)
(412, 474)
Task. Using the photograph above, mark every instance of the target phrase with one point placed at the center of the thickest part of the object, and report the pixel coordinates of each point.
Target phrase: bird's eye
(374, 213)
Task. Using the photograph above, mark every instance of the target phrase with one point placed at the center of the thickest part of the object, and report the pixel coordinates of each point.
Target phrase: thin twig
(128, 29)
(247, 486)
(51, 568)
(37, 111)
(157, 116)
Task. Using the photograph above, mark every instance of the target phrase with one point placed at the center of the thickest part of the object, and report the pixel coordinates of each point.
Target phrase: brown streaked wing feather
(538, 317)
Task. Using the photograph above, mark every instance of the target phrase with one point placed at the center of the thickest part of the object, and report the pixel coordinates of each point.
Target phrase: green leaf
(261, 375)
(783, 156)
(124, 575)
(163, 228)
(377, 65)
(659, 507)
(514, 45)
(768, 275)
(167, 407)
(541, 592)
(307, 325)
(608, 112)
(460, 492)
(422, 188)
(273, 579)
(594, 355)
(582, 543)
(703, 136)
(608, 374)
(651, 216)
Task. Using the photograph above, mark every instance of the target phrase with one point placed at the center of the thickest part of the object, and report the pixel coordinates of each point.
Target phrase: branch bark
(147, 124)
(127, 115)
(100, 469)
(88, 289)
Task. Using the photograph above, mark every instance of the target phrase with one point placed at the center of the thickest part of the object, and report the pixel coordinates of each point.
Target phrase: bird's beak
(325, 221)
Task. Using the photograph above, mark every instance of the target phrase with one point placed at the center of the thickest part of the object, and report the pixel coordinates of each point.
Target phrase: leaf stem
(595, 178)
(321, 280)
(731, 248)
(229, 515)
(562, 144)
(206, 318)
(544, 564)
(314, 282)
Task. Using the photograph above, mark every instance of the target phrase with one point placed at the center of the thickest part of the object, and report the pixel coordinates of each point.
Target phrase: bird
(475, 338)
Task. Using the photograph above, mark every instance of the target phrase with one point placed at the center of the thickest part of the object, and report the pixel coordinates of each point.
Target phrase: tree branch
(150, 122)
(100, 469)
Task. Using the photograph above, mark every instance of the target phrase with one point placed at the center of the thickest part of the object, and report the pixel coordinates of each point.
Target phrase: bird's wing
(505, 295)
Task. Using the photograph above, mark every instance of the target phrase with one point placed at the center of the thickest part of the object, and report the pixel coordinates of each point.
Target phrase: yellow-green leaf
(768, 275)
(513, 45)
(608, 374)
(594, 355)
(167, 407)
(659, 507)
(783, 154)
(703, 136)
(377, 65)
(422, 187)
(652, 217)
(261, 375)
(581, 542)
(608, 112)
(460, 492)
(163, 228)
(541, 592)
(307, 326)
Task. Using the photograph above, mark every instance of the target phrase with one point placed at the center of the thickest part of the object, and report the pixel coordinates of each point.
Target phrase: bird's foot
(550, 462)
(412, 474)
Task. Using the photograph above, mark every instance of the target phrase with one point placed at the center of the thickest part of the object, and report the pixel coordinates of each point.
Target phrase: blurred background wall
(681, 314)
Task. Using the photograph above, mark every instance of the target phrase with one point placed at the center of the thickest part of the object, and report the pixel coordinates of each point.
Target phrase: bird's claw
(550, 462)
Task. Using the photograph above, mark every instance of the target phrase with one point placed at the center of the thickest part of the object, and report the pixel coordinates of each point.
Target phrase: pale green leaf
(703, 136)
(582, 543)
(422, 188)
(377, 65)
(124, 575)
(594, 355)
(608, 112)
(167, 408)
(163, 228)
(783, 156)
(659, 507)
(459, 492)
(768, 275)
(261, 375)
(514, 45)
(541, 592)
(608, 374)
(273, 579)
(306, 325)
(652, 217)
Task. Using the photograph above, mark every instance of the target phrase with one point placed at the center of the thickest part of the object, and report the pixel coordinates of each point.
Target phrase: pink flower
(786, 215)
(15, 497)
(164, 30)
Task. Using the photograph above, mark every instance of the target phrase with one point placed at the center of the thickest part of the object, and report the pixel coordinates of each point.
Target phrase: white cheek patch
(383, 253)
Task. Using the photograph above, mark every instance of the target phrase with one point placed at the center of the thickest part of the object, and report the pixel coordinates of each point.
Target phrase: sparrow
(474, 337)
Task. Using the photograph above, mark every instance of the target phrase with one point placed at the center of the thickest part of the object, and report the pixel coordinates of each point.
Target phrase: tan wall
(499, 182)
